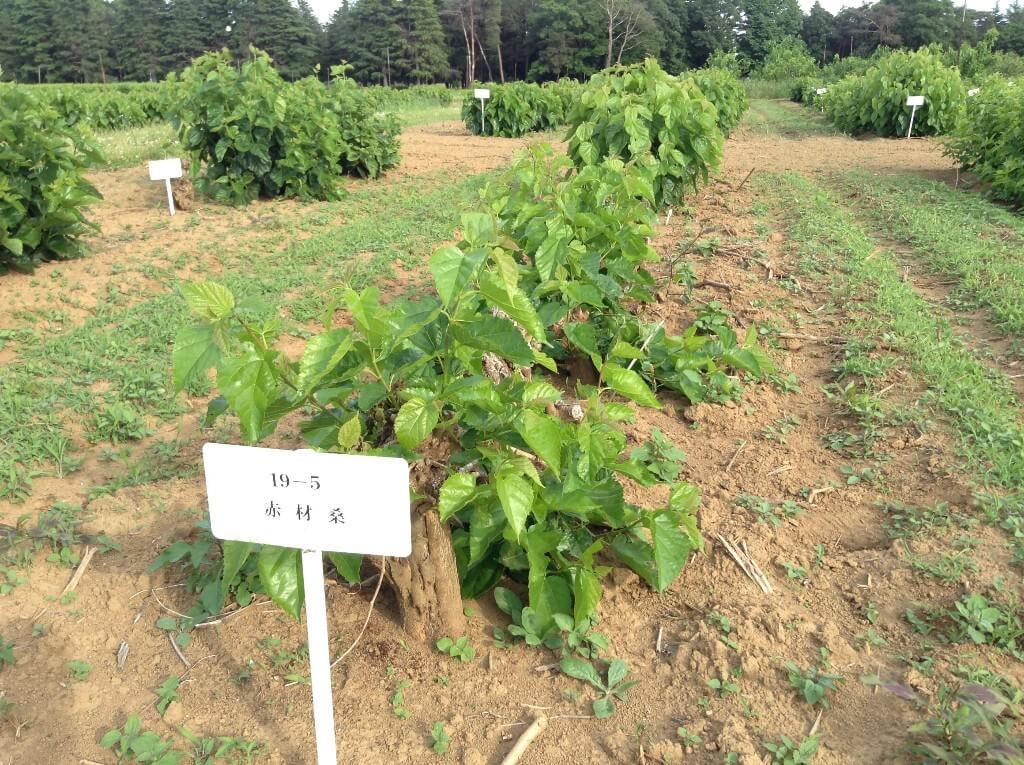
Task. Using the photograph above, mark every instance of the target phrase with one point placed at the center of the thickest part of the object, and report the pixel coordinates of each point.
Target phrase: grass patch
(133, 146)
(956, 234)
(428, 113)
(979, 402)
(112, 373)
(773, 118)
(758, 88)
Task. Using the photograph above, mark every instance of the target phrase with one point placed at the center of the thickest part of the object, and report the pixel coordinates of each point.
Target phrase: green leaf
(617, 671)
(586, 593)
(110, 738)
(544, 435)
(280, 571)
(509, 602)
(603, 707)
(671, 548)
(248, 384)
(582, 336)
(235, 556)
(209, 300)
(581, 669)
(415, 421)
(195, 351)
(513, 301)
(322, 354)
(350, 433)
(453, 269)
(516, 496)
(456, 491)
(541, 393)
(494, 334)
(629, 384)
(477, 228)
(348, 565)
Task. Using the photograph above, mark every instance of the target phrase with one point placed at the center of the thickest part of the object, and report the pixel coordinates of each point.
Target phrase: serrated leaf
(513, 301)
(456, 491)
(280, 570)
(348, 565)
(321, 355)
(248, 384)
(544, 435)
(516, 496)
(603, 707)
(617, 671)
(195, 351)
(671, 548)
(494, 334)
(350, 433)
(415, 421)
(629, 384)
(209, 300)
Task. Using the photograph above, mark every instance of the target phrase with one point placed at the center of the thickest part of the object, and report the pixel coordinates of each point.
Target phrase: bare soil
(486, 704)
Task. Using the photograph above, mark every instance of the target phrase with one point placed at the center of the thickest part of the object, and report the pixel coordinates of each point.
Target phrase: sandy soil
(486, 704)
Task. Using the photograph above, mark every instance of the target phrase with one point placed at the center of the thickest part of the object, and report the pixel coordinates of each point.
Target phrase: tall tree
(925, 21)
(818, 32)
(425, 43)
(140, 39)
(713, 25)
(766, 22)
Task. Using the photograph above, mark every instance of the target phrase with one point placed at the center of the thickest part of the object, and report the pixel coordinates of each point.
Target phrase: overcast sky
(324, 8)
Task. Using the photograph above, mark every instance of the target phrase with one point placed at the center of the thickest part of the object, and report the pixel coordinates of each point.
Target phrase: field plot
(875, 479)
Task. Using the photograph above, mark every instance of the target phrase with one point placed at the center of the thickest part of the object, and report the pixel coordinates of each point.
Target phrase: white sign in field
(973, 92)
(482, 93)
(164, 170)
(315, 502)
(821, 91)
(309, 500)
(913, 102)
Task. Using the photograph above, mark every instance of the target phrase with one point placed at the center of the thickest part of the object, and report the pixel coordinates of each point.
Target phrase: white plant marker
(164, 170)
(973, 92)
(821, 92)
(913, 102)
(483, 94)
(315, 502)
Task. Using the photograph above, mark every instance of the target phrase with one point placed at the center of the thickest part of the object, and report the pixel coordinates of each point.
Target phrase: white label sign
(915, 100)
(482, 93)
(164, 169)
(821, 91)
(973, 92)
(309, 500)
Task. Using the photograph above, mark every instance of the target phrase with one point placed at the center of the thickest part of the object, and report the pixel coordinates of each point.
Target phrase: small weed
(812, 684)
(615, 687)
(774, 513)
(726, 686)
(662, 458)
(6, 652)
(9, 579)
(725, 627)
(116, 423)
(167, 693)
(949, 567)
(795, 572)
(79, 670)
(441, 740)
(906, 522)
(779, 429)
(854, 476)
(789, 752)
(133, 745)
(398, 701)
(207, 749)
(689, 738)
(458, 649)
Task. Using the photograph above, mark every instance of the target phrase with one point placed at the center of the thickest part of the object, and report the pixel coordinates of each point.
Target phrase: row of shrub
(383, 97)
(250, 133)
(876, 101)
(103, 107)
(545, 279)
(517, 108)
(42, 187)
(989, 138)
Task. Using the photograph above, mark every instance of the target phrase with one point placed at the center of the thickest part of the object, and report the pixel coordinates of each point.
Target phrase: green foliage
(440, 738)
(993, 621)
(43, 191)
(250, 134)
(662, 125)
(207, 750)
(79, 670)
(167, 693)
(614, 686)
(562, 634)
(812, 684)
(106, 107)
(57, 529)
(517, 108)
(133, 745)
(789, 752)
(458, 649)
(876, 101)
(989, 139)
(6, 652)
(787, 59)
(726, 93)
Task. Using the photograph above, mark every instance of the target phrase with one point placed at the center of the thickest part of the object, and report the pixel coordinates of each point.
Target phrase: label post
(164, 170)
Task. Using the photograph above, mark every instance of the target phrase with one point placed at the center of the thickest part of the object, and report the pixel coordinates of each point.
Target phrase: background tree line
(458, 41)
